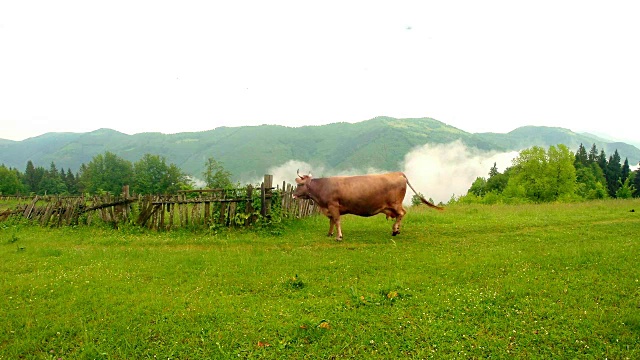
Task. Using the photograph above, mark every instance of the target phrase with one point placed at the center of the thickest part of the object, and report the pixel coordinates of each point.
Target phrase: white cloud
(443, 170)
(287, 172)
(436, 171)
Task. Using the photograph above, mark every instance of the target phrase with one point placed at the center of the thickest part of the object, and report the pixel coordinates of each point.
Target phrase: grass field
(529, 281)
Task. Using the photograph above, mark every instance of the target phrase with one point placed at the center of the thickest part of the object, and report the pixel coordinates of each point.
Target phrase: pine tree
(497, 181)
(582, 159)
(494, 170)
(70, 181)
(626, 170)
(52, 182)
(602, 161)
(636, 182)
(593, 154)
(31, 177)
(613, 173)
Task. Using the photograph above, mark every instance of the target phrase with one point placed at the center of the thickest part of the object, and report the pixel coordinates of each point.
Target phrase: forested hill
(248, 151)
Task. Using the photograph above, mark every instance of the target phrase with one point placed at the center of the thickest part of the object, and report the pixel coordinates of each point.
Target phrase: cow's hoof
(330, 234)
(395, 233)
(339, 239)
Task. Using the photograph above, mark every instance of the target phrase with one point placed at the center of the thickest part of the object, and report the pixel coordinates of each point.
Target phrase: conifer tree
(613, 173)
(71, 183)
(494, 170)
(593, 154)
(32, 177)
(626, 170)
(497, 181)
(582, 159)
(636, 182)
(52, 182)
(602, 161)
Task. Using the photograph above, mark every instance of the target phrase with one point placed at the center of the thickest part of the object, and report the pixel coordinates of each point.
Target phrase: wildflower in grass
(324, 324)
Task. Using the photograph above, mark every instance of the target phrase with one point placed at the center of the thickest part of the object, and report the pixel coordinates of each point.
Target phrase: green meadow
(526, 281)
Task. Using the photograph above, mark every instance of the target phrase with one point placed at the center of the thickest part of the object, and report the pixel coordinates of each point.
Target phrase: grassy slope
(472, 281)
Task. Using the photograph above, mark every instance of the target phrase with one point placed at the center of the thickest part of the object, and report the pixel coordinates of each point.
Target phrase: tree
(529, 173)
(625, 190)
(542, 176)
(416, 199)
(636, 182)
(593, 154)
(613, 173)
(71, 182)
(106, 172)
(152, 175)
(52, 182)
(10, 183)
(215, 176)
(602, 161)
(626, 170)
(32, 177)
(497, 181)
(582, 159)
(494, 170)
(590, 182)
(600, 192)
(478, 187)
(561, 172)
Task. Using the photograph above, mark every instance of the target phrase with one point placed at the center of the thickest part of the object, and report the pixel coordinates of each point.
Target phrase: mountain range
(249, 151)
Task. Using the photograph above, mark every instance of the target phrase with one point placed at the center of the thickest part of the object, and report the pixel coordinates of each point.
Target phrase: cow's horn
(298, 172)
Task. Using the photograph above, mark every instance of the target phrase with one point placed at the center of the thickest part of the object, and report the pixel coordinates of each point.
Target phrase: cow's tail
(430, 204)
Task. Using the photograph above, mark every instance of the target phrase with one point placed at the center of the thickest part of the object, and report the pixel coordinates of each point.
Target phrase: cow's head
(302, 186)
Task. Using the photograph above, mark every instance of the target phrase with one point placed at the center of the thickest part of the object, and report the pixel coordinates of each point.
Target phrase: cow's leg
(326, 213)
(400, 211)
(331, 223)
(337, 222)
(334, 214)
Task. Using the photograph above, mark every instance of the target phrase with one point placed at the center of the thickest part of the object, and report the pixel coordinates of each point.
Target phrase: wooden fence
(67, 210)
(192, 208)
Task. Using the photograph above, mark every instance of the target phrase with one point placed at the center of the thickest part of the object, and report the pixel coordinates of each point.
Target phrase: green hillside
(249, 151)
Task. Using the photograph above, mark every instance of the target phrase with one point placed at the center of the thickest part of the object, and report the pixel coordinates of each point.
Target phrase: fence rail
(191, 208)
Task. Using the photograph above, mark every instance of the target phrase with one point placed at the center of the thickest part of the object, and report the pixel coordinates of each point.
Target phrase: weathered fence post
(249, 207)
(265, 195)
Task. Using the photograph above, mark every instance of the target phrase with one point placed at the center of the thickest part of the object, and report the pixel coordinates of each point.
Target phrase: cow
(363, 195)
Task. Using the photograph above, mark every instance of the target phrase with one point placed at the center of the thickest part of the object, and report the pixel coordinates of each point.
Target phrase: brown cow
(364, 195)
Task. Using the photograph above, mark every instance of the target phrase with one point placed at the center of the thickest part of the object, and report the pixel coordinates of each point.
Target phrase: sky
(161, 66)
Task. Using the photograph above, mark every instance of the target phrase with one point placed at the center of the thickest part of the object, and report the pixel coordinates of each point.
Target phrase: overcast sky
(158, 66)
